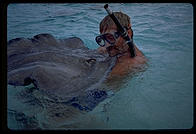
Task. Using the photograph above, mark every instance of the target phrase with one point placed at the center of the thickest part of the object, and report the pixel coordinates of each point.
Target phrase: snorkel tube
(122, 31)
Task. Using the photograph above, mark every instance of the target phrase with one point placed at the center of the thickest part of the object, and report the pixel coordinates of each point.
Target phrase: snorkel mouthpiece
(122, 31)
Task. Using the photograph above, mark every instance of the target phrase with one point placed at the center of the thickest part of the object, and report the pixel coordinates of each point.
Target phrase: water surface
(160, 97)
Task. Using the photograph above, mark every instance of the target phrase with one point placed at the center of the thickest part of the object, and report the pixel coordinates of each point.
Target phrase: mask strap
(129, 28)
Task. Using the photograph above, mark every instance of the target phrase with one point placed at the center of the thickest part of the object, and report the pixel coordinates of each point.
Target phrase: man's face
(118, 46)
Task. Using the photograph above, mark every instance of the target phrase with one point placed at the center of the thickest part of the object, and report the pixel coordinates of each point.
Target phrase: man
(115, 45)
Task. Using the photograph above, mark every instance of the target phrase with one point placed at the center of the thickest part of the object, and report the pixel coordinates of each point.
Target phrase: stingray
(63, 74)
(64, 67)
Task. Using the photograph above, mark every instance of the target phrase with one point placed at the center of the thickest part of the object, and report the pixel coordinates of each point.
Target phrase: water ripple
(164, 33)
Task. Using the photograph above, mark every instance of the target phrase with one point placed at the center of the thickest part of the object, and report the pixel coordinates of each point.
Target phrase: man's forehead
(110, 29)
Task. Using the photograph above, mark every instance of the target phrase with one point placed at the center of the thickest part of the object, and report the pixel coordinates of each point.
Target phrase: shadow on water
(33, 109)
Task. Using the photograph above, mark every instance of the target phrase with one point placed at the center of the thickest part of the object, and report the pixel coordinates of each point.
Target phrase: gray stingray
(54, 79)
(64, 67)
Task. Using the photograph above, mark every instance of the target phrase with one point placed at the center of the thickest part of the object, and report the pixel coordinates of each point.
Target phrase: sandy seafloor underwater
(161, 97)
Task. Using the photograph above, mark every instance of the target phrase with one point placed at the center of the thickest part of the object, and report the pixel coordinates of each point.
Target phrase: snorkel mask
(111, 38)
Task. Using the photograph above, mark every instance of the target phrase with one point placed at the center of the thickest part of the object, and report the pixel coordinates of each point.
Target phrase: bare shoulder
(126, 65)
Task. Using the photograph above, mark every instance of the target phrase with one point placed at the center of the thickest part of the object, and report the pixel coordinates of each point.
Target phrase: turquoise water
(160, 97)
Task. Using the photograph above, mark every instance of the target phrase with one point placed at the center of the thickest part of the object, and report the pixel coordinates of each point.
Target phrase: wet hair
(107, 22)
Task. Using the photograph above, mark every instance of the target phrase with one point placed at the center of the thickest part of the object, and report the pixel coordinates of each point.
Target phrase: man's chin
(111, 51)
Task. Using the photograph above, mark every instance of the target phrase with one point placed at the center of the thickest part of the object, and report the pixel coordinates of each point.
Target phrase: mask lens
(110, 38)
(100, 41)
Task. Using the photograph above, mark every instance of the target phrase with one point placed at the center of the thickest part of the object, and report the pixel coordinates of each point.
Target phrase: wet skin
(124, 64)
